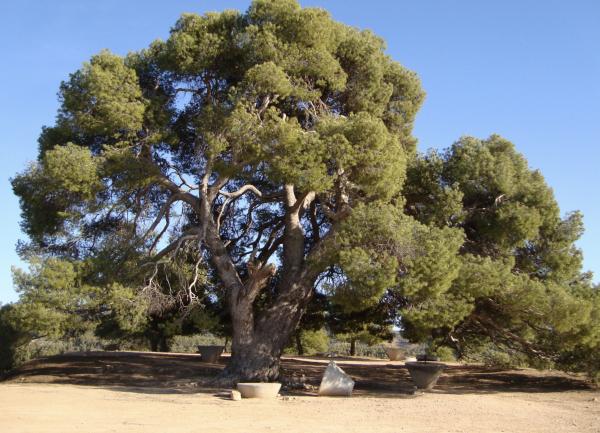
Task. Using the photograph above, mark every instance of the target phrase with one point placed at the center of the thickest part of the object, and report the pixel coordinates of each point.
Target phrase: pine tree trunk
(254, 362)
(299, 347)
(153, 344)
(256, 348)
(352, 347)
(163, 345)
(257, 345)
(258, 342)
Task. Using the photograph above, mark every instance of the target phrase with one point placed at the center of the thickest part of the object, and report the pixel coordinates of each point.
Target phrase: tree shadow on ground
(395, 379)
(160, 373)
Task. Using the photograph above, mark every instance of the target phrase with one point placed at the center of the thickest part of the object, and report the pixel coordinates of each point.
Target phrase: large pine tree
(265, 155)
(274, 141)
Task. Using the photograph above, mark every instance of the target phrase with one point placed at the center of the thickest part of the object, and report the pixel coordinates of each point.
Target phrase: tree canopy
(270, 140)
(520, 284)
(263, 156)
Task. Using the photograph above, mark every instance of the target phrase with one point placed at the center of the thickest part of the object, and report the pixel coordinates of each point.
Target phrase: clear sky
(526, 69)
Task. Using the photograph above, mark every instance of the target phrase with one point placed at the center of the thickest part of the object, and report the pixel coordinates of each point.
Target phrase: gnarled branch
(244, 189)
(173, 247)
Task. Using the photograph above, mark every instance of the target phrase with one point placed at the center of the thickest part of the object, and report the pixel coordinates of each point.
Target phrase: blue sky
(512, 67)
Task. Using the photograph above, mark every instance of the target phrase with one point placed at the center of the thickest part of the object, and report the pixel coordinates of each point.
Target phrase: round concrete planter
(259, 390)
(395, 353)
(210, 353)
(425, 374)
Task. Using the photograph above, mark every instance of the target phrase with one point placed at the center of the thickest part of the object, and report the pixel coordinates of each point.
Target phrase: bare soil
(152, 392)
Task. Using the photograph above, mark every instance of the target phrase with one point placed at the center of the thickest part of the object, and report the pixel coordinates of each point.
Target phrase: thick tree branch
(174, 246)
(272, 243)
(164, 211)
(509, 337)
(244, 189)
(269, 250)
(338, 216)
(186, 196)
(258, 277)
(182, 179)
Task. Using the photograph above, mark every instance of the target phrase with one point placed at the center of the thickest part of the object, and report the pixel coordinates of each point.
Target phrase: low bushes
(190, 343)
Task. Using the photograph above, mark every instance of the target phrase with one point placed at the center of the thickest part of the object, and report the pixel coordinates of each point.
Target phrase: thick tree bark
(352, 347)
(257, 361)
(258, 342)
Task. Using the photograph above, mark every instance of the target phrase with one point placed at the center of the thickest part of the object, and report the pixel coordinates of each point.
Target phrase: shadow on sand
(162, 373)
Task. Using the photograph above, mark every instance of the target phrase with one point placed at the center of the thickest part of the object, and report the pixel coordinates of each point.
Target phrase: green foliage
(103, 98)
(267, 79)
(314, 341)
(367, 276)
(281, 62)
(369, 335)
(10, 337)
(190, 343)
(378, 247)
(431, 200)
(491, 355)
(278, 95)
(42, 347)
(128, 310)
(444, 353)
(466, 247)
(51, 297)
(430, 272)
(395, 250)
(518, 287)
(55, 302)
(73, 169)
(294, 156)
(366, 152)
(344, 348)
(43, 213)
(366, 327)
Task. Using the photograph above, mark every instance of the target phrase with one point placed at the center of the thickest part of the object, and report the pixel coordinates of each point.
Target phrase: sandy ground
(523, 401)
(72, 408)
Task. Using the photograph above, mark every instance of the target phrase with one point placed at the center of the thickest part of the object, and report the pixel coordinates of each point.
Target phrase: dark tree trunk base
(253, 363)
(299, 347)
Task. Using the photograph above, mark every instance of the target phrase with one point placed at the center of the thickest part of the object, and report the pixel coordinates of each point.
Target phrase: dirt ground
(149, 392)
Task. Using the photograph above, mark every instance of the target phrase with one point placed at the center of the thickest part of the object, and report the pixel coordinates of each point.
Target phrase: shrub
(315, 342)
(342, 348)
(9, 338)
(493, 356)
(42, 347)
(445, 353)
(190, 343)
